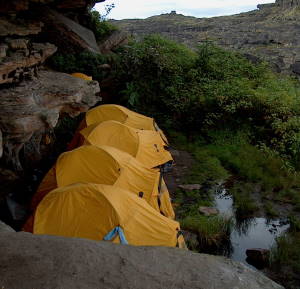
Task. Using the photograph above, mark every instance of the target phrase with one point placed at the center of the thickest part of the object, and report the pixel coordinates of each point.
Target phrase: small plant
(285, 259)
(210, 230)
(294, 223)
(100, 26)
(269, 209)
(243, 202)
(85, 62)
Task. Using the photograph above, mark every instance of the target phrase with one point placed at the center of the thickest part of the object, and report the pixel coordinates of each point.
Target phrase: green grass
(294, 223)
(285, 259)
(188, 203)
(269, 209)
(210, 230)
(230, 154)
(244, 204)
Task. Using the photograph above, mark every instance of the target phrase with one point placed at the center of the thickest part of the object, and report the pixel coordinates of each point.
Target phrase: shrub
(210, 230)
(100, 26)
(211, 89)
(85, 62)
(244, 204)
(285, 259)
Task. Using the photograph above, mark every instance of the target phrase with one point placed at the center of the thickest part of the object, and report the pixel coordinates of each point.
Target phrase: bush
(100, 26)
(210, 230)
(211, 89)
(285, 259)
(85, 62)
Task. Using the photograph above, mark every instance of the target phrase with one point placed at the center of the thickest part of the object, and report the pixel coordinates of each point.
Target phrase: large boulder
(39, 261)
(67, 34)
(116, 39)
(35, 106)
(5, 228)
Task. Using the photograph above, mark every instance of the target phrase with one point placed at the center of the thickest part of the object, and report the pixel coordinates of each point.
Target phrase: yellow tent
(106, 165)
(97, 212)
(124, 115)
(82, 76)
(118, 113)
(145, 145)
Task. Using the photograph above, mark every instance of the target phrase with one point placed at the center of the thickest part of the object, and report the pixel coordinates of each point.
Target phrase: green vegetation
(269, 209)
(210, 230)
(243, 202)
(85, 62)
(240, 120)
(100, 26)
(212, 90)
(285, 255)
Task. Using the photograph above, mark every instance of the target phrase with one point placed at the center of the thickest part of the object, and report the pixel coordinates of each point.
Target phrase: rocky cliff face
(270, 33)
(32, 99)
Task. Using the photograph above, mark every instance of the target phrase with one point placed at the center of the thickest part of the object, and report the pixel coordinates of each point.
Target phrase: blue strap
(117, 230)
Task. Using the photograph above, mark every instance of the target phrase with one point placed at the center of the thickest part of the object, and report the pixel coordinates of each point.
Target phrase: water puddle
(248, 233)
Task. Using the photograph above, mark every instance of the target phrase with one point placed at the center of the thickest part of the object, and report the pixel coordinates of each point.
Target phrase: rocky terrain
(32, 98)
(33, 261)
(33, 101)
(270, 33)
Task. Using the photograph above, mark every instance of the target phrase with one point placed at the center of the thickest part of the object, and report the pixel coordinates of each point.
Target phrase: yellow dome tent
(145, 145)
(124, 115)
(118, 113)
(106, 165)
(82, 76)
(97, 212)
(121, 114)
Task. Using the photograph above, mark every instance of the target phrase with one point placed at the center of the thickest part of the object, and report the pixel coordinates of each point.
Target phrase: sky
(125, 9)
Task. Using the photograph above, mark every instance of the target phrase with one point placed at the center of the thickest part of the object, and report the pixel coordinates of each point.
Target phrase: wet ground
(248, 233)
(256, 232)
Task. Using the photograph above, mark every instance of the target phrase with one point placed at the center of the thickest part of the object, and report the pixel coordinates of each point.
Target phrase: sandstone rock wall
(32, 99)
(34, 106)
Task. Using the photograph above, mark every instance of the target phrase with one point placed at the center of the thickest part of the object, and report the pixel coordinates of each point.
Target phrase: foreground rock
(34, 107)
(29, 261)
(208, 211)
(258, 257)
(5, 228)
(270, 33)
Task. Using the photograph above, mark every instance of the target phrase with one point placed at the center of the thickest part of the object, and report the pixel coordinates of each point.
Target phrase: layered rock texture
(32, 99)
(269, 33)
(33, 261)
(33, 107)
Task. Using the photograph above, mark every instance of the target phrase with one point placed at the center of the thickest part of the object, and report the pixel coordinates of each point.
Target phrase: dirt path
(183, 162)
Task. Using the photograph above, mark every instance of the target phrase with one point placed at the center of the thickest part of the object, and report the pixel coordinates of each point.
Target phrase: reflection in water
(247, 233)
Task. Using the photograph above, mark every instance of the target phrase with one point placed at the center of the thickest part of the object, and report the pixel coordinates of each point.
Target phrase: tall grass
(285, 259)
(210, 230)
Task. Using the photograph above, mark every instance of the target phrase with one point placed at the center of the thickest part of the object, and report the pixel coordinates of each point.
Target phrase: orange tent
(118, 113)
(98, 212)
(104, 165)
(145, 145)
